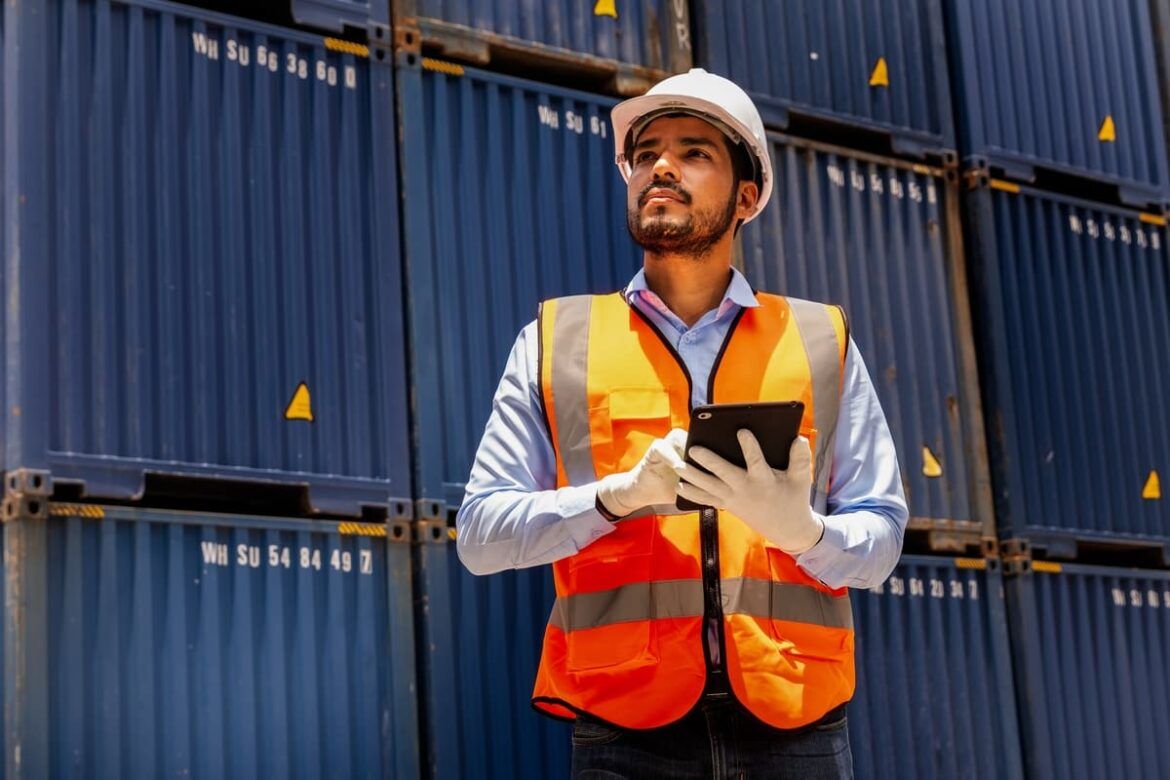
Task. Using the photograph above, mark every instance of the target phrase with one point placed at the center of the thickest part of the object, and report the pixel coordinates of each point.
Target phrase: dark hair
(741, 161)
(742, 169)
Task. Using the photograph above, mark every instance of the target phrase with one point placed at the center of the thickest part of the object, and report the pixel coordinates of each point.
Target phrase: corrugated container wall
(510, 196)
(637, 41)
(1072, 306)
(1160, 11)
(481, 638)
(879, 65)
(934, 675)
(198, 219)
(1066, 85)
(882, 238)
(166, 644)
(1093, 684)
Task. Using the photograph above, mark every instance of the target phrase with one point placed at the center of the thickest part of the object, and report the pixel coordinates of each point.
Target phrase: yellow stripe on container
(1152, 219)
(1048, 567)
(347, 47)
(361, 529)
(1005, 186)
(970, 563)
(77, 510)
(441, 66)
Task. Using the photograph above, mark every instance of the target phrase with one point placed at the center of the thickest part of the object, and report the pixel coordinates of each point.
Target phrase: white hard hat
(709, 97)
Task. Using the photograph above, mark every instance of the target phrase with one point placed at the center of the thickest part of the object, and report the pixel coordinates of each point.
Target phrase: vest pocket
(635, 417)
(805, 620)
(609, 613)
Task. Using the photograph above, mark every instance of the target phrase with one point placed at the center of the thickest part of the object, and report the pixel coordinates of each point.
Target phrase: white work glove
(652, 481)
(773, 503)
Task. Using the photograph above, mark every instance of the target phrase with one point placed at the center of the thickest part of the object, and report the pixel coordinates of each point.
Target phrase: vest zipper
(714, 643)
(713, 647)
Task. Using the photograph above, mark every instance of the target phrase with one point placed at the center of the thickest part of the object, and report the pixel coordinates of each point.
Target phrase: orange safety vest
(646, 612)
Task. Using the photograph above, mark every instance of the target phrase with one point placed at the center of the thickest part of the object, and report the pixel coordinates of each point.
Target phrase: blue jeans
(716, 740)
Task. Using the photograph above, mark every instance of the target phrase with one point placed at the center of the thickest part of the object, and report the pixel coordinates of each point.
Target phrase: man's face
(682, 195)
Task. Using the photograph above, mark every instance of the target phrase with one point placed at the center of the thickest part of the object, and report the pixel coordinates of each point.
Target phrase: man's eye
(642, 157)
(698, 153)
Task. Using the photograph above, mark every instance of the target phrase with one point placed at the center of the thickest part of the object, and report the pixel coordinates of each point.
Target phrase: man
(706, 644)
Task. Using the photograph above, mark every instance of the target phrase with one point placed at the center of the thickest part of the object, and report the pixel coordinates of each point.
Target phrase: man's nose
(665, 168)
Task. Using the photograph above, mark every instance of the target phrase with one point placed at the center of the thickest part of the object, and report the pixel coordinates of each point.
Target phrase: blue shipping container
(201, 254)
(1072, 309)
(1090, 647)
(510, 196)
(934, 676)
(166, 644)
(636, 41)
(878, 65)
(479, 640)
(1064, 85)
(882, 238)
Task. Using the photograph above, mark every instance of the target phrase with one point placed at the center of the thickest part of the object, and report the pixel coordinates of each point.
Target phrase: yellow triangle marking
(930, 465)
(880, 77)
(301, 405)
(605, 8)
(1108, 131)
(1153, 488)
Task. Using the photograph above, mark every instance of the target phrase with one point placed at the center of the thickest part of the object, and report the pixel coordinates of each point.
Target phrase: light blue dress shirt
(514, 516)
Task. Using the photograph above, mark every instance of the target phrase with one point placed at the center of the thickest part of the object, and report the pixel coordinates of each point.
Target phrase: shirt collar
(738, 291)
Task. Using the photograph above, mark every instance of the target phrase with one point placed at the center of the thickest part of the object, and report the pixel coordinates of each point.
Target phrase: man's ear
(746, 199)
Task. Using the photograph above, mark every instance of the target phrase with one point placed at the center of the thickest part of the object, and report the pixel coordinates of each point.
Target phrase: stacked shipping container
(148, 644)
(1064, 86)
(1090, 646)
(1070, 302)
(201, 280)
(873, 65)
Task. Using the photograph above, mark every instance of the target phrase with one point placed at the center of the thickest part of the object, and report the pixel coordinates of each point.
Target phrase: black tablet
(774, 424)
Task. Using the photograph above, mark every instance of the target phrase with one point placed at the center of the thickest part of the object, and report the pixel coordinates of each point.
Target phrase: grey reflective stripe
(824, 356)
(570, 389)
(638, 601)
(785, 601)
(684, 598)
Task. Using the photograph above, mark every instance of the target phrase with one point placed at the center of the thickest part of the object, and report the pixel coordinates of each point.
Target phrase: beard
(694, 237)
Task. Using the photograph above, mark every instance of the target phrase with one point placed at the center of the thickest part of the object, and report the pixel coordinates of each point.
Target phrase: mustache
(683, 194)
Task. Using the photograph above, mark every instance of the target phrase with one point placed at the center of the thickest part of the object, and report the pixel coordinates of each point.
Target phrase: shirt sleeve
(867, 506)
(512, 515)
